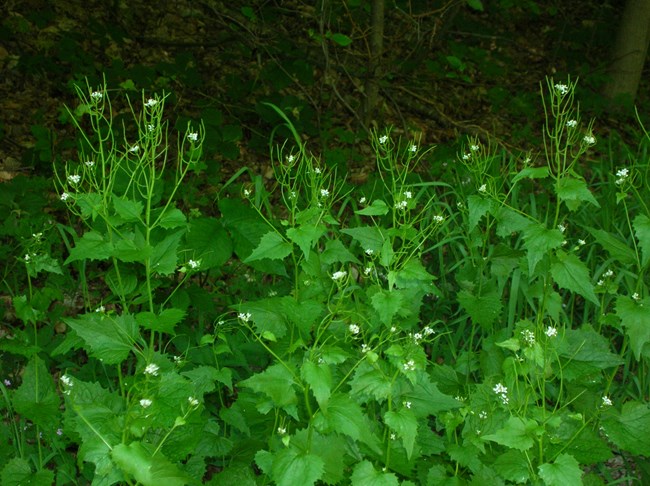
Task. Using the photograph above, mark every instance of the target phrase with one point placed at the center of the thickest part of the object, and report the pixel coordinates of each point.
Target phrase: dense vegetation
(280, 284)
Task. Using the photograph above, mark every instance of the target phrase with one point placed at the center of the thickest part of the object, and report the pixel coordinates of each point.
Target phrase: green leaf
(292, 467)
(629, 428)
(377, 208)
(35, 399)
(173, 218)
(370, 237)
(306, 236)
(570, 273)
(616, 247)
(128, 211)
(268, 315)
(341, 39)
(369, 381)
(108, 337)
(564, 471)
(276, 382)
(18, 472)
(642, 231)
(427, 400)
(365, 474)
(513, 466)
(208, 241)
(387, 304)
(531, 173)
(336, 252)
(271, 246)
(483, 309)
(517, 433)
(635, 318)
(585, 352)
(132, 248)
(478, 207)
(90, 204)
(405, 425)
(319, 378)
(538, 242)
(475, 4)
(146, 468)
(574, 191)
(164, 257)
(163, 322)
(91, 246)
(204, 378)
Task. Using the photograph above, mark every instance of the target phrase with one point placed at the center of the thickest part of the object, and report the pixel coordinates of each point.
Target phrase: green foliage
(415, 333)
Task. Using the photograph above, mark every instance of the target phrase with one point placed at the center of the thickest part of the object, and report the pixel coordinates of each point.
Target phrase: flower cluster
(151, 369)
(622, 175)
(502, 392)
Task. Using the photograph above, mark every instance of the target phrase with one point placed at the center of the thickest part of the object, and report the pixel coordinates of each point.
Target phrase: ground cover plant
(489, 326)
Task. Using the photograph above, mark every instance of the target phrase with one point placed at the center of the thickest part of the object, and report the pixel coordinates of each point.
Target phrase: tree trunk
(629, 52)
(374, 61)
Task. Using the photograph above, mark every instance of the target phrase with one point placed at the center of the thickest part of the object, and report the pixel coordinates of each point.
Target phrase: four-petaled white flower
(467, 156)
(528, 336)
(89, 163)
(369, 251)
(438, 219)
(607, 402)
(473, 148)
(354, 328)
(339, 275)
(365, 348)
(483, 188)
(407, 404)
(282, 430)
(324, 193)
(561, 89)
(96, 95)
(383, 139)
(401, 205)
(193, 136)
(244, 316)
(317, 170)
(151, 369)
(413, 148)
(551, 331)
(291, 158)
(409, 365)
(64, 196)
(589, 139)
(362, 200)
(428, 331)
(622, 175)
(66, 380)
(151, 103)
(134, 148)
(636, 296)
(145, 402)
(74, 178)
(408, 194)
(194, 264)
(193, 401)
(572, 123)
(502, 391)
(100, 309)
(561, 227)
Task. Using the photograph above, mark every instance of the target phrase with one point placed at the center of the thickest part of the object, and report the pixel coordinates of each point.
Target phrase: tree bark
(375, 60)
(629, 53)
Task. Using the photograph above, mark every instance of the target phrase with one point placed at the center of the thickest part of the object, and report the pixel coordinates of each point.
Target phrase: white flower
(581, 242)
(551, 331)
(636, 296)
(417, 336)
(482, 414)
(247, 192)
(409, 365)
(428, 331)
(607, 401)
(339, 275)
(561, 227)
(96, 95)
(282, 430)
(244, 316)
(393, 436)
(401, 205)
(561, 89)
(369, 251)
(572, 123)
(408, 194)
(589, 139)
(27, 257)
(194, 264)
(151, 369)
(145, 402)
(151, 103)
(89, 163)
(367, 271)
(66, 380)
(365, 348)
(467, 156)
(354, 328)
(382, 139)
(622, 175)
(150, 128)
(362, 200)
(473, 148)
(438, 219)
(528, 336)
(291, 158)
(324, 193)
(413, 148)
(100, 309)
(483, 188)
(193, 137)
(317, 170)
(193, 401)
(74, 178)
(608, 273)
(407, 404)
(500, 389)
(134, 148)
